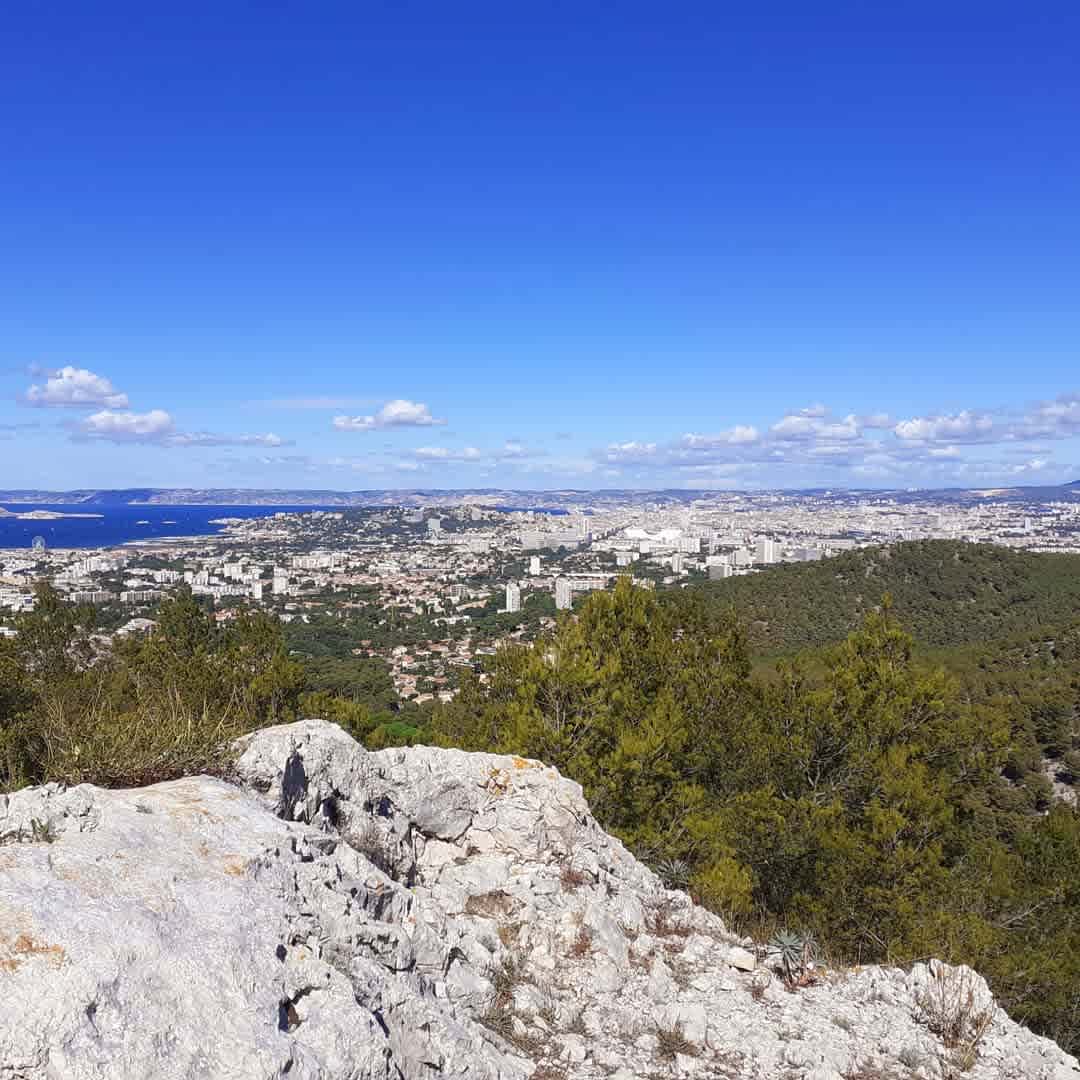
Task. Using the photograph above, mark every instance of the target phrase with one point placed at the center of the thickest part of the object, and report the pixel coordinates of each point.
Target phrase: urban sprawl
(448, 584)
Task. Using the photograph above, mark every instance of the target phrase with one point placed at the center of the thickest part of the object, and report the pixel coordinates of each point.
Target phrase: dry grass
(571, 878)
(504, 976)
(159, 740)
(489, 905)
(660, 922)
(951, 1012)
(671, 1041)
(864, 1070)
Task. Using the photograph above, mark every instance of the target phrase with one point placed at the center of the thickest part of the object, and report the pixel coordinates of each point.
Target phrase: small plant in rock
(660, 922)
(505, 975)
(865, 1070)
(576, 1024)
(950, 1009)
(672, 1040)
(548, 1013)
(796, 955)
(547, 1071)
(499, 1018)
(571, 878)
(582, 943)
(42, 832)
(911, 1057)
(674, 873)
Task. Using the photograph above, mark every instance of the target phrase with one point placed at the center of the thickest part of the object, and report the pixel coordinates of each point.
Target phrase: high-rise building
(564, 596)
(534, 565)
(513, 597)
(765, 551)
(677, 562)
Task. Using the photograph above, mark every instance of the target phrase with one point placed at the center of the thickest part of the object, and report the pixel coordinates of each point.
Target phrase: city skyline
(540, 250)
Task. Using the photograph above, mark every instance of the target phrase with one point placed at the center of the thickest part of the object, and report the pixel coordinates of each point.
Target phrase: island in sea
(44, 515)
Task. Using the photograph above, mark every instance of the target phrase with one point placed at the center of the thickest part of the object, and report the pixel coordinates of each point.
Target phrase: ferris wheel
(38, 544)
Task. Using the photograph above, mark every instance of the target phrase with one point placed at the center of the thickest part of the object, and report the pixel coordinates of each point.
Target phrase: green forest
(872, 750)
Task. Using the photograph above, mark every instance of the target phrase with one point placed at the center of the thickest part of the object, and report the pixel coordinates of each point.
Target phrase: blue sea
(119, 524)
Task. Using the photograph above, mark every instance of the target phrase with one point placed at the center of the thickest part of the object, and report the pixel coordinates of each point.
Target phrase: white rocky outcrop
(416, 913)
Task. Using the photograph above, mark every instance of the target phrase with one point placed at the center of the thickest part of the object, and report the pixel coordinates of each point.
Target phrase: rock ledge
(346, 915)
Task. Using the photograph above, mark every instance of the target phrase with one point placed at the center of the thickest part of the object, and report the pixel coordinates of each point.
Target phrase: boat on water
(143, 522)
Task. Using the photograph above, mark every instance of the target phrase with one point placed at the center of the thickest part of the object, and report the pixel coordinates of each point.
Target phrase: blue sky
(446, 245)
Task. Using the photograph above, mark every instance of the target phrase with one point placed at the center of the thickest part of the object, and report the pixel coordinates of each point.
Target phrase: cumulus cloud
(127, 426)
(75, 388)
(739, 435)
(804, 425)
(398, 413)
(936, 447)
(158, 428)
(965, 426)
(1057, 419)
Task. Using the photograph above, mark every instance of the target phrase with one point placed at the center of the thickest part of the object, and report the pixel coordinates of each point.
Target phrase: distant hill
(944, 592)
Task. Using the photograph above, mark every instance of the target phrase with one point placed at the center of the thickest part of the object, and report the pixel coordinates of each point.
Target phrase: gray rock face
(415, 913)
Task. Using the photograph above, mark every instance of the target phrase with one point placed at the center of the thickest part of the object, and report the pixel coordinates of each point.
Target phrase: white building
(91, 596)
(513, 597)
(766, 551)
(139, 596)
(534, 565)
(564, 596)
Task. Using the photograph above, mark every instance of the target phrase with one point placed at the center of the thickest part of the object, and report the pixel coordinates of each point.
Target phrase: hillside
(944, 592)
(344, 915)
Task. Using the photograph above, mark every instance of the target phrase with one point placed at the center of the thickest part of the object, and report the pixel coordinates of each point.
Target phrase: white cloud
(806, 425)
(73, 387)
(152, 426)
(739, 435)
(208, 438)
(1057, 419)
(965, 426)
(158, 428)
(444, 453)
(926, 448)
(394, 414)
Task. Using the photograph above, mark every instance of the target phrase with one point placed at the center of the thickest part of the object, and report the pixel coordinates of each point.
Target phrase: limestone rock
(404, 914)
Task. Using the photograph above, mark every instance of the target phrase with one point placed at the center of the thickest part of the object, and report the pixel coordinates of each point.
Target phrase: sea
(122, 523)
